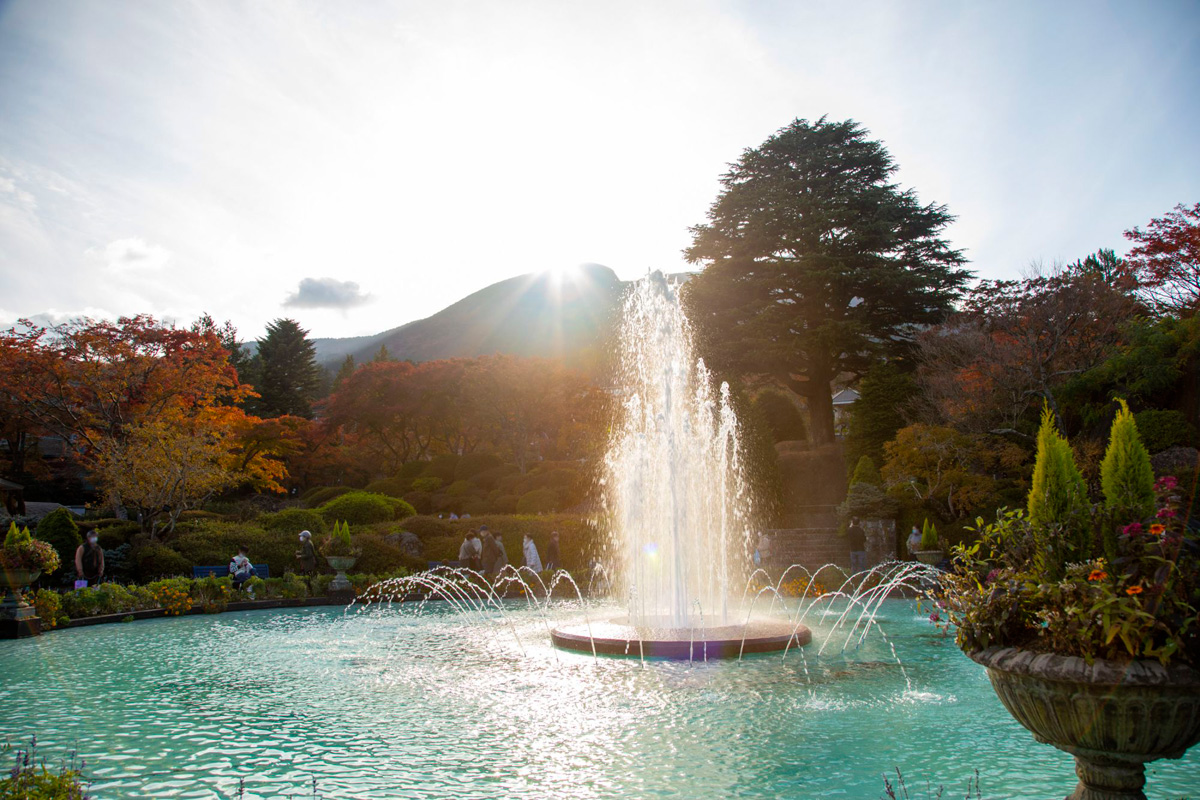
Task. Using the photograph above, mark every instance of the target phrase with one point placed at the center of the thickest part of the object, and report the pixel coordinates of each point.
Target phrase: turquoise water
(442, 705)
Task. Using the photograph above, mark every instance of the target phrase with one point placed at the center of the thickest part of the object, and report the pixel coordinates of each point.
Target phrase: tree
(1166, 260)
(1015, 346)
(289, 377)
(1058, 496)
(781, 416)
(884, 395)
(815, 266)
(1125, 473)
(344, 372)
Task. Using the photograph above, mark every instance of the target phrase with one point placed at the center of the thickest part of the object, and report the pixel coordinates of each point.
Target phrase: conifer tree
(865, 471)
(289, 377)
(1125, 474)
(1058, 496)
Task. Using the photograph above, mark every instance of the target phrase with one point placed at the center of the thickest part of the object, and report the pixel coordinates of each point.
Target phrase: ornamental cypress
(1058, 496)
(865, 471)
(1125, 473)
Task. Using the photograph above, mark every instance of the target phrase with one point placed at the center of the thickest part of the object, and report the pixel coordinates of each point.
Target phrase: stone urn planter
(339, 564)
(17, 618)
(932, 557)
(1112, 716)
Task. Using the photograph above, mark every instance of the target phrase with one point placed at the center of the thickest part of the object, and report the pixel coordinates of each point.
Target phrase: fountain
(676, 502)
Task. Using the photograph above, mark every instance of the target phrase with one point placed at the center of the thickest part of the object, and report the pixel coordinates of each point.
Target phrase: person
(488, 550)
(914, 541)
(553, 560)
(470, 550)
(89, 560)
(241, 570)
(857, 538)
(307, 554)
(529, 548)
(502, 554)
(762, 550)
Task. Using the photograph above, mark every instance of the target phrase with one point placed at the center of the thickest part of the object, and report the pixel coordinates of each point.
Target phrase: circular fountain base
(617, 637)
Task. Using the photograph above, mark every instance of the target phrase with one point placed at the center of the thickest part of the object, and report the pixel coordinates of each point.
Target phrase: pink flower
(1132, 529)
(1166, 483)
(1165, 513)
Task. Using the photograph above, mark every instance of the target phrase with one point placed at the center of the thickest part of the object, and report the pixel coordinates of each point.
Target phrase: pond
(390, 704)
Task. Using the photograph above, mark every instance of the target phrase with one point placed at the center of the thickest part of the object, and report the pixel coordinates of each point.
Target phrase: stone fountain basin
(618, 637)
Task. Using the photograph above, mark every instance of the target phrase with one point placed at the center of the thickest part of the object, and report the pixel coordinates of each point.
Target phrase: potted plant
(1087, 616)
(929, 552)
(22, 560)
(341, 554)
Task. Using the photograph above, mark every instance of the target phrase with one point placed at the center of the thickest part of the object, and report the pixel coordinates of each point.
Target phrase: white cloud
(135, 253)
(326, 293)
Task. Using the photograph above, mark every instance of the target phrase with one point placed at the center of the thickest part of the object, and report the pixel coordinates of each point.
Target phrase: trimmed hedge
(473, 464)
(442, 467)
(539, 500)
(392, 487)
(427, 527)
(363, 508)
(322, 495)
(59, 529)
(294, 520)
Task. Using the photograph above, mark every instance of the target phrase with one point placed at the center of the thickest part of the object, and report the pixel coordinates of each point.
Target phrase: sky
(356, 166)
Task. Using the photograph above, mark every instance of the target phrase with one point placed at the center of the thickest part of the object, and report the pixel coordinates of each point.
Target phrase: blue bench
(260, 570)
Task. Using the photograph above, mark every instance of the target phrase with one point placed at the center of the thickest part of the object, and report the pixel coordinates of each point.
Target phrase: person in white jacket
(531, 554)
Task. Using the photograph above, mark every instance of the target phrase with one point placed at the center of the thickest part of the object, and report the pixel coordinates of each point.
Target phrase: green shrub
(488, 479)
(379, 557)
(505, 504)
(196, 513)
(868, 501)
(410, 470)
(557, 478)
(392, 487)
(422, 502)
(401, 509)
(1058, 496)
(460, 488)
(473, 464)
(1161, 430)
(929, 536)
(211, 543)
(113, 536)
(427, 527)
(427, 484)
(159, 561)
(59, 529)
(442, 467)
(293, 520)
(539, 500)
(865, 471)
(358, 508)
(511, 484)
(321, 496)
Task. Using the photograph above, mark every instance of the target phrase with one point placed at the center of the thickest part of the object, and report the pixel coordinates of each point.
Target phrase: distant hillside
(531, 315)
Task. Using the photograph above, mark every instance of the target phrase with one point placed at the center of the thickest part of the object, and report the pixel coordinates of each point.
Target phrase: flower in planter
(21, 551)
(1069, 575)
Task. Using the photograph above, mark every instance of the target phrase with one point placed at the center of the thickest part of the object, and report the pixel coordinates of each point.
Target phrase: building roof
(845, 397)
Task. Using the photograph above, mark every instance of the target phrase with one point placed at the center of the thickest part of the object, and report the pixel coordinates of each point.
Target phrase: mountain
(553, 315)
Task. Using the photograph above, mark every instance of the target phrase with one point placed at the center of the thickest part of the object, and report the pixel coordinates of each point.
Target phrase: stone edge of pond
(241, 605)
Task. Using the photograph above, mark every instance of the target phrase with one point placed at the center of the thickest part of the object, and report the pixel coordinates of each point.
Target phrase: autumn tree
(288, 376)
(152, 410)
(1016, 345)
(1165, 261)
(816, 265)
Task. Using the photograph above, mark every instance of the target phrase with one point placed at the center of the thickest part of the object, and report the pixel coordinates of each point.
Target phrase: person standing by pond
(502, 554)
(529, 548)
(553, 560)
(914, 541)
(488, 550)
(470, 551)
(857, 538)
(307, 555)
(89, 560)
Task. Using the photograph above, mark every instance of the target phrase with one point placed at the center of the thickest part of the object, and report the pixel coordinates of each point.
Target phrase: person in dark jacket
(502, 558)
(307, 554)
(553, 560)
(89, 560)
(489, 552)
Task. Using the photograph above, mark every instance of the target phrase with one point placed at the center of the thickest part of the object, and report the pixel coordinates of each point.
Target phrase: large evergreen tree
(289, 378)
(816, 266)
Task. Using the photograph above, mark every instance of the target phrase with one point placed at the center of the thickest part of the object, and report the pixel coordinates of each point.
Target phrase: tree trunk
(819, 396)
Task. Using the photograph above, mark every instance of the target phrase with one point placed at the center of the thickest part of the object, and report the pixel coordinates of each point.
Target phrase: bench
(260, 570)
